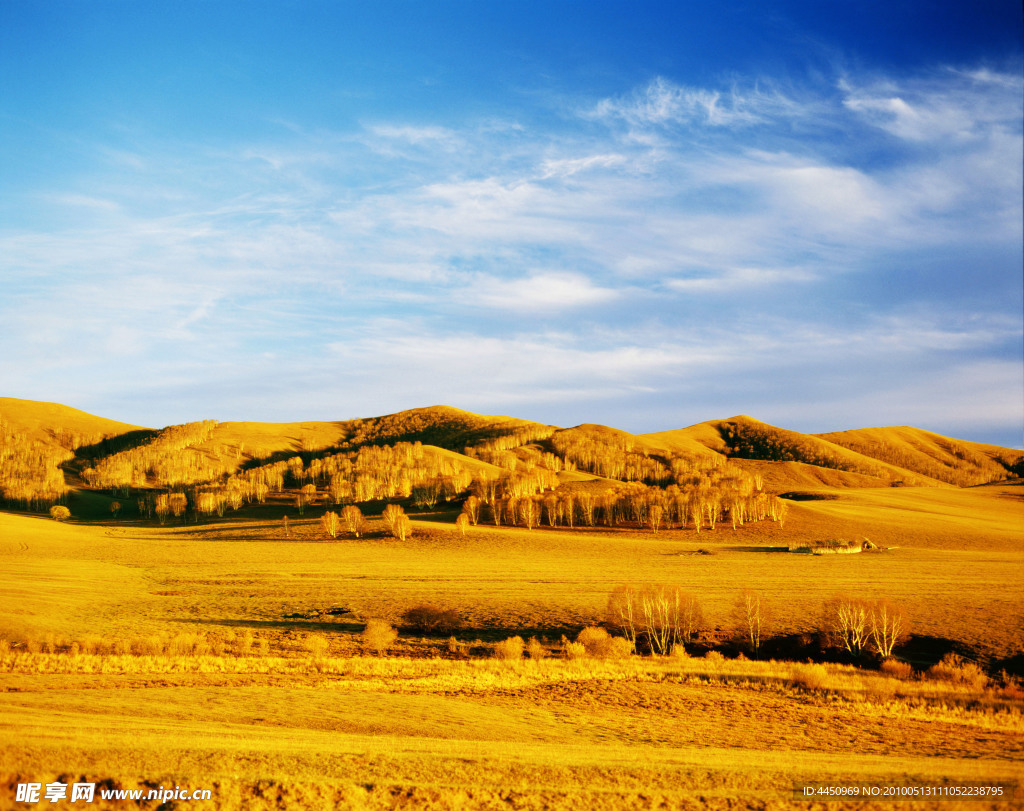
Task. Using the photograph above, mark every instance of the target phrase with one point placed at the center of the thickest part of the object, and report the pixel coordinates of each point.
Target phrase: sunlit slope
(744, 437)
(50, 421)
(259, 440)
(784, 459)
(445, 427)
(442, 426)
(939, 457)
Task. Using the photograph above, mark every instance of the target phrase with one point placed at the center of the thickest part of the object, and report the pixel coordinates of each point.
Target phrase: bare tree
(462, 523)
(353, 519)
(655, 513)
(390, 516)
(624, 612)
(378, 636)
(847, 623)
(751, 618)
(529, 512)
(330, 523)
(889, 626)
(472, 509)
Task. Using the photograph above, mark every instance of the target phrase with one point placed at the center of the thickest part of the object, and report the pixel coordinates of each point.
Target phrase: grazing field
(216, 683)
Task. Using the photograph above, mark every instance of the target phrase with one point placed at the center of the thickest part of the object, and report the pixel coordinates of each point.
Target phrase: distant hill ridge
(860, 457)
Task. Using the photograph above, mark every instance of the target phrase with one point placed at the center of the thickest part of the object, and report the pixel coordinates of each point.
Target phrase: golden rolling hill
(784, 459)
(58, 424)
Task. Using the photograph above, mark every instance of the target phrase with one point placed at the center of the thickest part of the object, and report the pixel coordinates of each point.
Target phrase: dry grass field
(227, 652)
(279, 726)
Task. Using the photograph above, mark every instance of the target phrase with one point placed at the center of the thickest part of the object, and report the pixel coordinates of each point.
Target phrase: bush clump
(897, 669)
(599, 644)
(509, 649)
(430, 619)
(534, 649)
(959, 671)
(574, 650)
(378, 636)
(809, 677)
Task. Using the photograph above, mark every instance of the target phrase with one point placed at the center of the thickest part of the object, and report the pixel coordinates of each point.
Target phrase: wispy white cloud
(538, 292)
(735, 280)
(663, 102)
(415, 135)
(956, 105)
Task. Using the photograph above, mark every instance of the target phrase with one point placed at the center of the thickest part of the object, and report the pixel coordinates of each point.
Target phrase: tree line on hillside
(775, 445)
(168, 459)
(968, 470)
(30, 473)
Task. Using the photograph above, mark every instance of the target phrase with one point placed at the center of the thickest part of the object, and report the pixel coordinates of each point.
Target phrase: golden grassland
(143, 652)
(280, 732)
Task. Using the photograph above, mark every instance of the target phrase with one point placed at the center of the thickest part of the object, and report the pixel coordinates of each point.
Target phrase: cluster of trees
(510, 438)
(169, 459)
(777, 445)
(30, 473)
(663, 617)
(701, 503)
(611, 456)
(350, 520)
(968, 469)
(526, 458)
(405, 470)
(858, 625)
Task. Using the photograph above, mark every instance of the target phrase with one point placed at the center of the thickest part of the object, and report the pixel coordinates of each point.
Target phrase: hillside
(707, 472)
(745, 438)
(58, 424)
(953, 461)
(37, 439)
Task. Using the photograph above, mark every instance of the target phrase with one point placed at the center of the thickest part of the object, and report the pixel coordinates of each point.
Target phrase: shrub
(1010, 686)
(958, 671)
(621, 648)
(897, 669)
(455, 647)
(535, 650)
(574, 650)
(596, 641)
(378, 636)
(59, 512)
(429, 619)
(809, 677)
(511, 648)
(317, 645)
(243, 643)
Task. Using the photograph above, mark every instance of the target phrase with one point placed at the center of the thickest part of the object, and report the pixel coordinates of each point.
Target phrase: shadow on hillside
(115, 444)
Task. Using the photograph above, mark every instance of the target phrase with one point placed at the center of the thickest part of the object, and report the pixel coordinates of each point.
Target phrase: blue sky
(633, 213)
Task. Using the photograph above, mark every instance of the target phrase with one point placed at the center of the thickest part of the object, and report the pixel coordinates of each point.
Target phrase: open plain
(226, 651)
